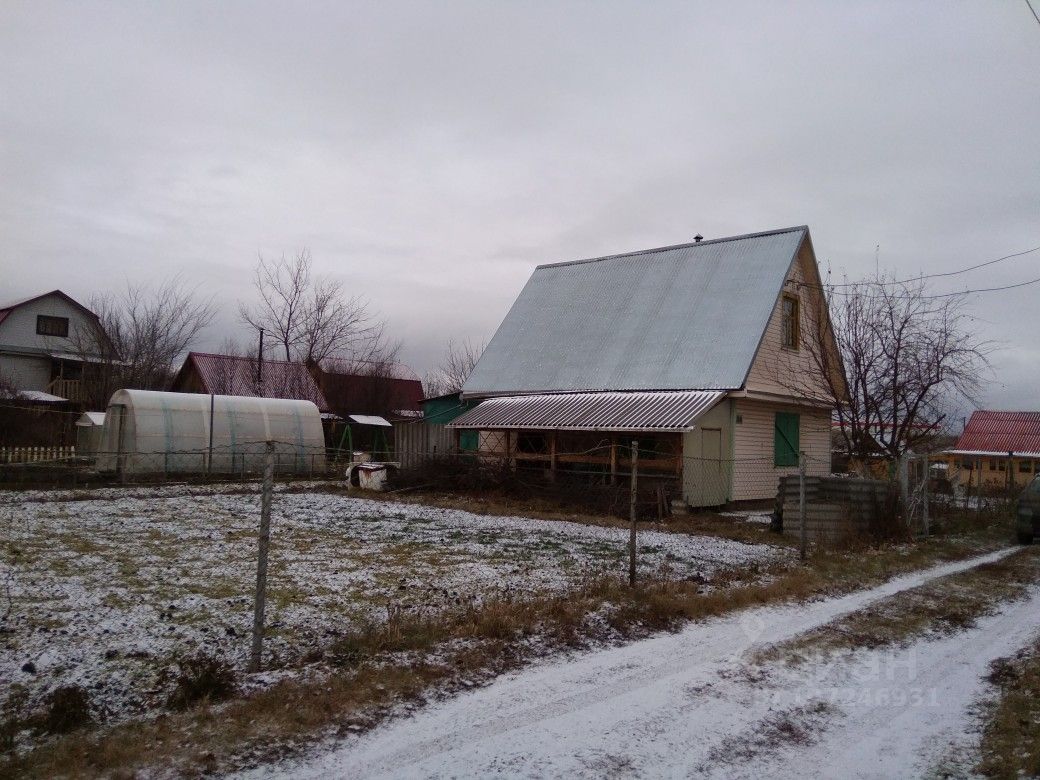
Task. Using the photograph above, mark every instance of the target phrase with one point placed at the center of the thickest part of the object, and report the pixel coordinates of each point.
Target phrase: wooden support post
(260, 601)
(613, 460)
(967, 488)
(632, 514)
(552, 456)
(803, 532)
(978, 490)
(1011, 477)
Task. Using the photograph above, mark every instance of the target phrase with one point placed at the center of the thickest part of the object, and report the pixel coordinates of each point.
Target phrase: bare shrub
(201, 677)
(68, 708)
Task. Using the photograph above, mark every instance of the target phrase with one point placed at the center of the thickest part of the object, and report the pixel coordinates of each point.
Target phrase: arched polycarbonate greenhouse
(151, 432)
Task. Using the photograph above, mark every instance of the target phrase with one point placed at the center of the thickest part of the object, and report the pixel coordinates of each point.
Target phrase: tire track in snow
(879, 740)
(592, 692)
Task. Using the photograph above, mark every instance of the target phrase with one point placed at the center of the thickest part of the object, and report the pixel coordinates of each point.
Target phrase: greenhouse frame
(153, 432)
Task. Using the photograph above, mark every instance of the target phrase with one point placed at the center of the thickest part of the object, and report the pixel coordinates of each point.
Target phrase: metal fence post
(803, 532)
(632, 514)
(924, 495)
(260, 602)
(904, 488)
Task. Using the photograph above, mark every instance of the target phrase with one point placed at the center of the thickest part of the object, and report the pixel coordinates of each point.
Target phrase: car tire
(1025, 537)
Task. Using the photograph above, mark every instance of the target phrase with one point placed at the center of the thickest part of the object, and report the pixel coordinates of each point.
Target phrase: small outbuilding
(89, 429)
(152, 432)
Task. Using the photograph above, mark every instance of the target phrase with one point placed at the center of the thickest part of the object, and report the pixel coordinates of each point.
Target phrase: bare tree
(139, 335)
(310, 318)
(899, 360)
(455, 368)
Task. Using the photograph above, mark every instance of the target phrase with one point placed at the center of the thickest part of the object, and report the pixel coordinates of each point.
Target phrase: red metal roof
(382, 394)
(232, 375)
(1001, 432)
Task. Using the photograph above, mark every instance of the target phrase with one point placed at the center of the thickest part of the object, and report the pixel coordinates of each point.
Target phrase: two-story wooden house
(46, 345)
(707, 353)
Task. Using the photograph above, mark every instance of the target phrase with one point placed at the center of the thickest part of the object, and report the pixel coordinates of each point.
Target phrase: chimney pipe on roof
(698, 238)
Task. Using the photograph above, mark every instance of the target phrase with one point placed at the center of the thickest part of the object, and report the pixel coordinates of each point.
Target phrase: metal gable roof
(676, 318)
(634, 411)
(235, 375)
(1000, 433)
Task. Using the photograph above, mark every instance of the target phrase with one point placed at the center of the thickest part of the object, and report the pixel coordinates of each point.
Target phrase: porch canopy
(665, 411)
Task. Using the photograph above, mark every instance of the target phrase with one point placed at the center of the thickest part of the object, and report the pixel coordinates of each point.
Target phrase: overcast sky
(431, 154)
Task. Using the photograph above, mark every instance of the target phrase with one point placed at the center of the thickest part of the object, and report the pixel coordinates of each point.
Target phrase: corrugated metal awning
(610, 411)
(369, 419)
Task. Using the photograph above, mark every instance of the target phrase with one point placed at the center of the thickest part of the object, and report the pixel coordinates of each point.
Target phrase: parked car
(1028, 524)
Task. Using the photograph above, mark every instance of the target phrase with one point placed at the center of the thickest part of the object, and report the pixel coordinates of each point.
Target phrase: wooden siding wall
(754, 476)
(993, 477)
(785, 371)
(26, 373)
(708, 483)
(19, 327)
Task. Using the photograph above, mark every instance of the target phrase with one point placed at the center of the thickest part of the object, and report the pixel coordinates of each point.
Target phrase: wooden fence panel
(35, 454)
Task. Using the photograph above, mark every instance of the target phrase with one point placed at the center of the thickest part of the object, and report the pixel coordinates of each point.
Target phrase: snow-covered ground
(107, 587)
(694, 704)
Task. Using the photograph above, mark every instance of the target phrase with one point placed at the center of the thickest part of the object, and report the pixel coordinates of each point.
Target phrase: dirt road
(692, 703)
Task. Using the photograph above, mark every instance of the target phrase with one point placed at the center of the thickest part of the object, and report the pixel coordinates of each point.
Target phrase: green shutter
(469, 441)
(785, 439)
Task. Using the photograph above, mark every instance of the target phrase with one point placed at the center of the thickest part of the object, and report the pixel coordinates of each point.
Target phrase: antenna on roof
(698, 238)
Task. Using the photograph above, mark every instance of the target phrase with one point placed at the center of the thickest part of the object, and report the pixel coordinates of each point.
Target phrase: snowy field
(104, 589)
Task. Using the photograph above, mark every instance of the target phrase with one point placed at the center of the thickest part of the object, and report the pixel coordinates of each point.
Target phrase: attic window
(790, 322)
(52, 326)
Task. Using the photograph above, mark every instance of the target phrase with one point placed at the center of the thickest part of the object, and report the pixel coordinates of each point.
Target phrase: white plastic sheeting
(147, 431)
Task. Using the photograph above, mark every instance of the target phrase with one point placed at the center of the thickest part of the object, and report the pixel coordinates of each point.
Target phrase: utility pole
(260, 366)
(632, 515)
(260, 601)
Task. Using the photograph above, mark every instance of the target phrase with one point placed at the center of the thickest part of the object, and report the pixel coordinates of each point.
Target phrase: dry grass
(1011, 734)
(359, 679)
(796, 726)
(703, 523)
(941, 606)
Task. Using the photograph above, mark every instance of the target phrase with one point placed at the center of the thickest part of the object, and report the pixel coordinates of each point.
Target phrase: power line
(1030, 6)
(948, 273)
(927, 297)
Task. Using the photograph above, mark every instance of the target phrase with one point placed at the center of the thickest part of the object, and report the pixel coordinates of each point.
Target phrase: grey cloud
(430, 154)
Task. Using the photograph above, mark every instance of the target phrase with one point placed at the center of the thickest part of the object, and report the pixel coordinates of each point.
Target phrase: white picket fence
(35, 454)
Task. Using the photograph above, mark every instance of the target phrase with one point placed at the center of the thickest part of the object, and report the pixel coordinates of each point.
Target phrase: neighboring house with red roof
(204, 372)
(42, 342)
(353, 387)
(1003, 448)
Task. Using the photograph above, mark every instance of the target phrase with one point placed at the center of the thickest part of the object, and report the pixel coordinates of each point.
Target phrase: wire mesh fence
(241, 461)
